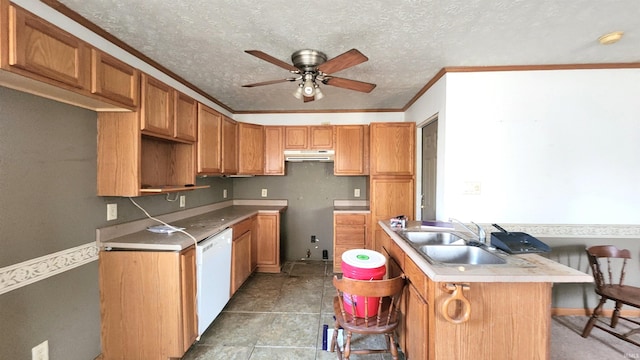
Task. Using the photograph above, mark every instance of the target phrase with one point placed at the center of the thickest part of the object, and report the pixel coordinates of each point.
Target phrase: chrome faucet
(481, 235)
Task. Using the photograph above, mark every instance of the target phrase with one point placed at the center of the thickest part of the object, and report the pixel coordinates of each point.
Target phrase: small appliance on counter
(517, 242)
(398, 222)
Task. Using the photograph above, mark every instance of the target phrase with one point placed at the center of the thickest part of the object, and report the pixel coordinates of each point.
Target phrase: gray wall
(311, 189)
(49, 204)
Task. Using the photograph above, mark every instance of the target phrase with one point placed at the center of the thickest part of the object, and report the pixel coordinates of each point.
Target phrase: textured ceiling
(407, 42)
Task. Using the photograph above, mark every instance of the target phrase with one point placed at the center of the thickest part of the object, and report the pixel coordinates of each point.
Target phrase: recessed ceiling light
(610, 38)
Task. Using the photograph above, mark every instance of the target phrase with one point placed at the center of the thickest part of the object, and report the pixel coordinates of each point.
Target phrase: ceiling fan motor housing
(308, 60)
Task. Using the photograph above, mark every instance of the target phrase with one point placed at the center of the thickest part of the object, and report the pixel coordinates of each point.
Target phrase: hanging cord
(195, 241)
(176, 198)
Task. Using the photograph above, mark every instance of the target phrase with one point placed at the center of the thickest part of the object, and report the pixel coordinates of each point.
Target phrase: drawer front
(396, 253)
(351, 219)
(417, 278)
(242, 227)
(350, 234)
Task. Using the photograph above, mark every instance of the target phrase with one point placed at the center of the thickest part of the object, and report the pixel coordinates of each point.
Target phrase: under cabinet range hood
(309, 155)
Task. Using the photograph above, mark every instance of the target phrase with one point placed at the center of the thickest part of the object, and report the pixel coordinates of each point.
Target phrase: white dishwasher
(213, 273)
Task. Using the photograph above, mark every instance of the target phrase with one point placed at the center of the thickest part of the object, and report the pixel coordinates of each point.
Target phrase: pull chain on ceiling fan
(311, 67)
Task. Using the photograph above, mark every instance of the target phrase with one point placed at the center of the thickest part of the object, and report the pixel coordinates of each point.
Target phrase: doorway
(429, 167)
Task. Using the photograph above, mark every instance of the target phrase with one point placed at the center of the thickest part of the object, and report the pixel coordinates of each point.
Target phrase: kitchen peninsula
(475, 311)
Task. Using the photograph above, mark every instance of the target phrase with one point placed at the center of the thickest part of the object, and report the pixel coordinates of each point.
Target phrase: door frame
(419, 127)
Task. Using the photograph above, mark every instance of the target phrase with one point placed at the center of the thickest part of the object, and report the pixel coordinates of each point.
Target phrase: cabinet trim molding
(28, 272)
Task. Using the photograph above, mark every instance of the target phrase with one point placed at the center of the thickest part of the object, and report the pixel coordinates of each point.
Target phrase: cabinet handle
(457, 295)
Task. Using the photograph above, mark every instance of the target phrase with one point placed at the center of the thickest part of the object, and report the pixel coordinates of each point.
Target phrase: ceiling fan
(311, 67)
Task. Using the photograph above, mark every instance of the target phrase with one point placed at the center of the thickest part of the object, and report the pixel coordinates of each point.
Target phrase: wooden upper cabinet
(209, 141)
(115, 80)
(250, 149)
(308, 137)
(274, 150)
(352, 150)
(296, 137)
(41, 59)
(321, 137)
(229, 146)
(37, 48)
(392, 148)
(156, 110)
(186, 117)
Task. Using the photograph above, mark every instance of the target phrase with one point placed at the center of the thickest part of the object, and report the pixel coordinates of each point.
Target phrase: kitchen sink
(432, 238)
(460, 255)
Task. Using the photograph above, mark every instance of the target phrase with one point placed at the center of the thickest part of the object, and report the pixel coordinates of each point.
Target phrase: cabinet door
(186, 117)
(114, 80)
(296, 137)
(321, 137)
(268, 243)
(250, 149)
(390, 197)
(156, 110)
(209, 140)
(274, 150)
(188, 282)
(352, 150)
(349, 232)
(229, 146)
(240, 260)
(40, 50)
(392, 149)
(416, 325)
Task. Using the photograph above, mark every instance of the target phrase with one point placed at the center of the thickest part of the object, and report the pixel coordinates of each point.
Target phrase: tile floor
(277, 316)
(280, 316)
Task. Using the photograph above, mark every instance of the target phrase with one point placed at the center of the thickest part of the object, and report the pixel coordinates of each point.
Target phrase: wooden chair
(608, 289)
(384, 320)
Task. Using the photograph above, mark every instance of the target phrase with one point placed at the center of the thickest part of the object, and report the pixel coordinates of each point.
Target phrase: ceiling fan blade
(269, 82)
(350, 84)
(348, 59)
(309, 98)
(266, 57)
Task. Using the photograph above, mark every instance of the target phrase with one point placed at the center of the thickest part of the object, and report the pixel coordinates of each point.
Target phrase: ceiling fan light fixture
(308, 88)
(319, 93)
(298, 94)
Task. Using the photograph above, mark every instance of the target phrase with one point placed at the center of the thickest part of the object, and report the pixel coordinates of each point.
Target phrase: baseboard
(587, 312)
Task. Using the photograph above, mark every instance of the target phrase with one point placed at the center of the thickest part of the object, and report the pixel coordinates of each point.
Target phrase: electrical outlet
(183, 201)
(264, 192)
(112, 212)
(356, 192)
(40, 351)
(224, 193)
(313, 238)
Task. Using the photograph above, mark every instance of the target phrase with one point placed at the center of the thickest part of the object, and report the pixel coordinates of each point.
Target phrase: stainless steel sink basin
(432, 238)
(460, 255)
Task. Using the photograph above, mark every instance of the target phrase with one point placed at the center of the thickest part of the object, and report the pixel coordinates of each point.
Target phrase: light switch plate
(183, 201)
(224, 193)
(40, 351)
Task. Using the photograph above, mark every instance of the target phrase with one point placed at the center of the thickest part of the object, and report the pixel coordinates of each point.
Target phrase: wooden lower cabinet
(241, 253)
(350, 231)
(268, 242)
(147, 304)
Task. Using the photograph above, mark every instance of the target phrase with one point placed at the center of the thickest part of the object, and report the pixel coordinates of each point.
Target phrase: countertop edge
(550, 270)
(134, 236)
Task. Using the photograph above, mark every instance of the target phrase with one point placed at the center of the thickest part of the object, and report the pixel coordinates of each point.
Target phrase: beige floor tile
(283, 353)
(237, 329)
(291, 330)
(258, 301)
(206, 352)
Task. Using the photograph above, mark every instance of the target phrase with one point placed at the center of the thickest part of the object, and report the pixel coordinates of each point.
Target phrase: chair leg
(334, 343)
(616, 314)
(593, 318)
(347, 346)
(393, 349)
